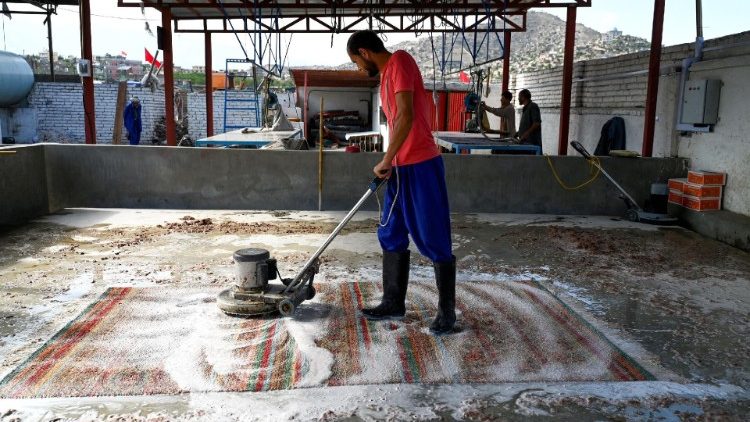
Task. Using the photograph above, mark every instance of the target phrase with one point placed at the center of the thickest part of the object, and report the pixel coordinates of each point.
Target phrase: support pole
(168, 65)
(506, 60)
(320, 159)
(209, 85)
(652, 91)
(89, 111)
(122, 97)
(567, 80)
(49, 46)
(304, 112)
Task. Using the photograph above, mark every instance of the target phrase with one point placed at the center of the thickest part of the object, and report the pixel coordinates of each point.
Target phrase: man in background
(507, 114)
(132, 120)
(530, 128)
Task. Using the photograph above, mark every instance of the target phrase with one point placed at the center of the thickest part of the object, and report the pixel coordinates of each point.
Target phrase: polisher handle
(311, 264)
(376, 182)
(581, 150)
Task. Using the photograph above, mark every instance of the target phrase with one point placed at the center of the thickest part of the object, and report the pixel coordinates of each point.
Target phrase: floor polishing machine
(253, 295)
(634, 212)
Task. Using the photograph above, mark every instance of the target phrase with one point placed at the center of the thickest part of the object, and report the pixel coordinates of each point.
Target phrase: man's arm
(493, 110)
(401, 128)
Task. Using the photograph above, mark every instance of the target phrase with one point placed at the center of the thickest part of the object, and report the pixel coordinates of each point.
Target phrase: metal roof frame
(345, 16)
(34, 7)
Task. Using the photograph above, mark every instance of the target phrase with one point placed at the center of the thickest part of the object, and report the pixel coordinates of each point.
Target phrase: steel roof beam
(323, 7)
(383, 23)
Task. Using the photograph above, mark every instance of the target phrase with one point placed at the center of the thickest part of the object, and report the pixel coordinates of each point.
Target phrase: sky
(122, 29)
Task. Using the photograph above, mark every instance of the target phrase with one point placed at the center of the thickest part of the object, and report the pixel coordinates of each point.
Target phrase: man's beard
(371, 68)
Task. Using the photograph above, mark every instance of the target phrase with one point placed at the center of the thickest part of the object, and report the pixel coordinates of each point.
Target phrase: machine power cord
(393, 203)
(594, 168)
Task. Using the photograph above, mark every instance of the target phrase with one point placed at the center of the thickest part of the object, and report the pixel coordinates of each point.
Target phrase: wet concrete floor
(682, 298)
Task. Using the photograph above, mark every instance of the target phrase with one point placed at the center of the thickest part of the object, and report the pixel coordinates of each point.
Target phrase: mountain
(540, 47)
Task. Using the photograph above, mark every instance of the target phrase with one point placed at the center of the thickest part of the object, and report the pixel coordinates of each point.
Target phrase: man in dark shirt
(530, 128)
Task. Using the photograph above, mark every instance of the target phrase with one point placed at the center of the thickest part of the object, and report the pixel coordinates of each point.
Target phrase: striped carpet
(136, 341)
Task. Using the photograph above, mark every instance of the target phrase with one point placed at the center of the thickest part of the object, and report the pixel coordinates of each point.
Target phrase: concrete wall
(617, 87)
(23, 185)
(163, 177)
(48, 177)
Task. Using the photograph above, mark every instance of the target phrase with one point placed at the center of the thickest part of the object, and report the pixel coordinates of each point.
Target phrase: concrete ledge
(23, 185)
(107, 176)
(724, 226)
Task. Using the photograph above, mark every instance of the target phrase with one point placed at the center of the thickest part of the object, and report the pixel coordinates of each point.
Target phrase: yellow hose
(593, 168)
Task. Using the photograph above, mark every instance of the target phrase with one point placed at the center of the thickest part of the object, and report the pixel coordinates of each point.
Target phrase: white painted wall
(725, 149)
(338, 99)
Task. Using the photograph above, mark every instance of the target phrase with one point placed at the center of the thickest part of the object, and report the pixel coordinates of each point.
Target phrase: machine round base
(247, 308)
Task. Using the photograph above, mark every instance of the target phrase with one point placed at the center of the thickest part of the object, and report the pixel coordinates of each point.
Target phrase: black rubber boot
(445, 277)
(395, 281)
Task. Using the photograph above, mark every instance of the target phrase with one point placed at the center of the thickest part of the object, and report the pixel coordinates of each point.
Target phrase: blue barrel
(16, 78)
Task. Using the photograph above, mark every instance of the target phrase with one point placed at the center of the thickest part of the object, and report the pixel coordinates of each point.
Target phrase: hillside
(540, 47)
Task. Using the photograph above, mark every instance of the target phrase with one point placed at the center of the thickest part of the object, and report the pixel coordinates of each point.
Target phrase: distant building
(612, 35)
(199, 69)
(111, 68)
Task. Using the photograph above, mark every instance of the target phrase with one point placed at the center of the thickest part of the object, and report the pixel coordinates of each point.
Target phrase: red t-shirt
(402, 74)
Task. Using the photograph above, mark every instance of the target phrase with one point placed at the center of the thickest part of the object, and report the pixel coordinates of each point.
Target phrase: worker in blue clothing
(132, 120)
(416, 198)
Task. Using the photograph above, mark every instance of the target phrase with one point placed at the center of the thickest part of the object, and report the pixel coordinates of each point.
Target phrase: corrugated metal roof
(333, 78)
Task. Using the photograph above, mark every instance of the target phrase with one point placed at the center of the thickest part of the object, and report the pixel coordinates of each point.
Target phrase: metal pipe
(506, 60)
(209, 85)
(89, 109)
(687, 63)
(699, 18)
(166, 23)
(567, 81)
(304, 112)
(320, 159)
(652, 90)
(49, 47)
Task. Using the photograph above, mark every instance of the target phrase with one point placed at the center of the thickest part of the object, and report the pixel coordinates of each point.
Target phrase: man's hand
(383, 170)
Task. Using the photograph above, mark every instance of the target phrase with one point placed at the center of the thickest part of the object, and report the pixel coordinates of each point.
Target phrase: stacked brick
(700, 191)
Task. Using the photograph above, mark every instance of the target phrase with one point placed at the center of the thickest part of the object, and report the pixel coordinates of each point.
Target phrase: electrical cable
(393, 202)
(226, 15)
(594, 164)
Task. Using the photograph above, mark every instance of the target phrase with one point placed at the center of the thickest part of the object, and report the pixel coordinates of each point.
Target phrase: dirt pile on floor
(190, 224)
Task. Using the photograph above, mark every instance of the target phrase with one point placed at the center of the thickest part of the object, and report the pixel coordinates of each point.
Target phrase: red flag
(150, 59)
(123, 54)
(464, 77)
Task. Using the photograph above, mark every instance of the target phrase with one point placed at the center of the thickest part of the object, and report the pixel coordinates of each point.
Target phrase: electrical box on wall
(84, 68)
(701, 102)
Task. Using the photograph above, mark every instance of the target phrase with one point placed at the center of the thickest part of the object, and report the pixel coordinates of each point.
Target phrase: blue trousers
(420, 210)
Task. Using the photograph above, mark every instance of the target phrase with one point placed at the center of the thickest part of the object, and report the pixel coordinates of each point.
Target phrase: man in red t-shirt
(417, 203)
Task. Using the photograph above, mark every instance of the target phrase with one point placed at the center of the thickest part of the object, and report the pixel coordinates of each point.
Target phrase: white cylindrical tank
(16, 78)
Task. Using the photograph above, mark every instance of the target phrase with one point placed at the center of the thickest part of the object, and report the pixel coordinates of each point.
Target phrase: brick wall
(617, 83)
(58, 109)
(617, 87)
(197, 112)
